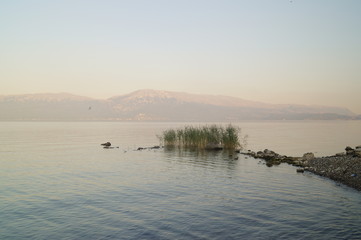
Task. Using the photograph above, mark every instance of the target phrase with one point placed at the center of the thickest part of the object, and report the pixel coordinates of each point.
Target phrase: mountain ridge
(158, 105)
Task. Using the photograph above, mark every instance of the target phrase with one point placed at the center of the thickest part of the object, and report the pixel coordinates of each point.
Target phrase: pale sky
(276, 51)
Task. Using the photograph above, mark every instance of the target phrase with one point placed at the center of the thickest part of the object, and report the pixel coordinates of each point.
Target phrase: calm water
(56, 182)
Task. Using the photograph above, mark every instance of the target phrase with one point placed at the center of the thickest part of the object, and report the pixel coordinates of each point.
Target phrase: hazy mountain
(156, 105)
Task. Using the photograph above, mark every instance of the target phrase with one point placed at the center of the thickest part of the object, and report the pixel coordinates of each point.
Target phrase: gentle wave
(56, 188)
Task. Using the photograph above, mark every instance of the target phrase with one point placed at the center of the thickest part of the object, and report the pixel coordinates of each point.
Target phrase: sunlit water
(57, 182)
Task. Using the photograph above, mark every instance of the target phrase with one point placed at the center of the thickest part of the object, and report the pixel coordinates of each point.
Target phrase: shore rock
(308, 156)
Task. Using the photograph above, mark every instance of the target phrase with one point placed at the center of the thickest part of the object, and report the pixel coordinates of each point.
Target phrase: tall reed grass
(204, 137)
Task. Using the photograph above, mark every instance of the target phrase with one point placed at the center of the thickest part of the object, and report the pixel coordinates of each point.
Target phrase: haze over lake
(58, 182)
(75, 74)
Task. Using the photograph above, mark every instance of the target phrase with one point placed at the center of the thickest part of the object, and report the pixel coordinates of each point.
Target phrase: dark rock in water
(357, 152)
(300, 170)
(155, 147)
(353, 152)
(144, 148)
(107, 144)
(349, 148)
(269, 164)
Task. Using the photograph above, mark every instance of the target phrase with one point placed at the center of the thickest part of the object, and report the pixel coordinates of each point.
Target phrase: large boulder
(308, 156)
(357, 151)
(269, 155)
(349, 150)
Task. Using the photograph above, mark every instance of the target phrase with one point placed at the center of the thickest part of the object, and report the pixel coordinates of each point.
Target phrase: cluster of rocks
(149, 148)
(352, 152)
(273, 158)
(343, 167)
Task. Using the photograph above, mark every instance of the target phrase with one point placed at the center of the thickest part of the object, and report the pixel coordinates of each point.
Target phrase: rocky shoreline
(342, 167)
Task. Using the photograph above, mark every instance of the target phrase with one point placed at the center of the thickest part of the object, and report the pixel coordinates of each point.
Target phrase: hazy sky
(277, 51)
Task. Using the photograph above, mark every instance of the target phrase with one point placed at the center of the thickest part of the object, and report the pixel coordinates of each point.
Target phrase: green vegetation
(204, 137)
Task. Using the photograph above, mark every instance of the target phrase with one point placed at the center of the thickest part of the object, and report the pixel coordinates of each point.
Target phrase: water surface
(56, 182)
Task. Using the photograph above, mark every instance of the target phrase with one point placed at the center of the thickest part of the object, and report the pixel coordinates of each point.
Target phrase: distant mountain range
(154, 105)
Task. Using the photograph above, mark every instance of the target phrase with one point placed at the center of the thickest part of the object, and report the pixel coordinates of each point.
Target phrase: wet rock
(300, 170)
(357, 151)
(269, 164)
(149, 148)
(107, 144)
(349, 150)
(155, 147)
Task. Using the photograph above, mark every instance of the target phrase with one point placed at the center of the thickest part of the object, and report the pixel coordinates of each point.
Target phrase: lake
(57, 182)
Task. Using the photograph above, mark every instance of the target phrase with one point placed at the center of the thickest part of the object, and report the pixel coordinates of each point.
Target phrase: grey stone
(308, 156)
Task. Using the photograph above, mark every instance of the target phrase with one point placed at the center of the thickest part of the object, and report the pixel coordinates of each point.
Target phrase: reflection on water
(57, 182)
(204, 158)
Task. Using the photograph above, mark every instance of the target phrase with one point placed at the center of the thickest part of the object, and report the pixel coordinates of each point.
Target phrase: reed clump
(204, 137)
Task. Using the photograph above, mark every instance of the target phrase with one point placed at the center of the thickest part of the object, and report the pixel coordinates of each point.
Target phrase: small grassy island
(209, 137)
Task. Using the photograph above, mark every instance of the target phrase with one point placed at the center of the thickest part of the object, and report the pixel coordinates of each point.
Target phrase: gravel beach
(344, 169)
